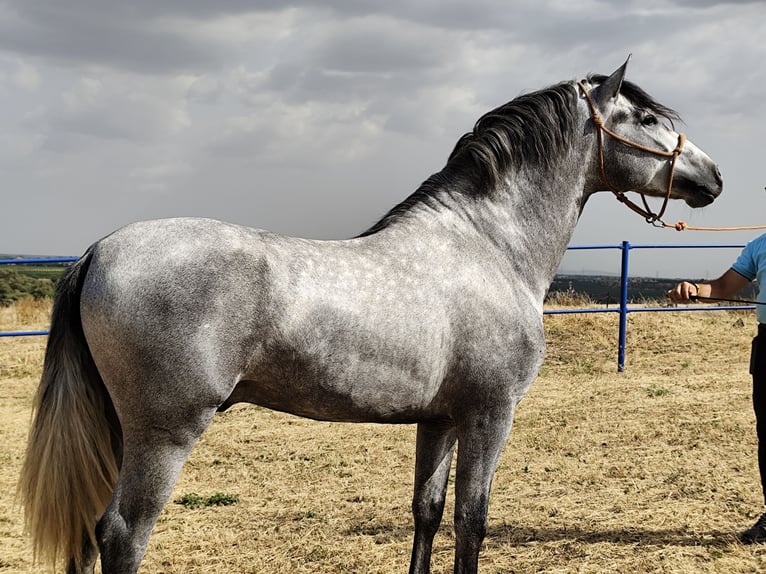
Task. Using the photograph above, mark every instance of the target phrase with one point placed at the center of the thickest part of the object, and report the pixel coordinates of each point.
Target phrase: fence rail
(623, 309)
(33, 261)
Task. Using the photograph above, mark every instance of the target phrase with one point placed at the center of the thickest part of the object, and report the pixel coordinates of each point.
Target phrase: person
(749, 266)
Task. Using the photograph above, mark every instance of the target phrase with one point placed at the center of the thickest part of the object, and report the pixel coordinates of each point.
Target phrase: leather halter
(646, 213)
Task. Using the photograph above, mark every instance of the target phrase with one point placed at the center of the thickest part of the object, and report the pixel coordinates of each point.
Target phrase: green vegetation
(193, 500)
(657, 391)
(16, 284)
(50, 272)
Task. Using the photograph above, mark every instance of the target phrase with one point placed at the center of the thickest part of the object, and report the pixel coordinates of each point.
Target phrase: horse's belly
(372, 395)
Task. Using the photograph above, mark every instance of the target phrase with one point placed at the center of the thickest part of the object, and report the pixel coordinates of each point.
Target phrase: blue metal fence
(33, 261)
(623, 309)
(625, 247)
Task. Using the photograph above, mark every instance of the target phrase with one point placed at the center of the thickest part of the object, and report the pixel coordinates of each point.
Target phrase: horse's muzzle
(699, 193)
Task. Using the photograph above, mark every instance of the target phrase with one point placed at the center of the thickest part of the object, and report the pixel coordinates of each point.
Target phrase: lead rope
(682, 226)
(650, 217)
(745, 301)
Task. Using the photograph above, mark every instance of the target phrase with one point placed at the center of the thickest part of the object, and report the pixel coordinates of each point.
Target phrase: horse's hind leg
(153, 455)
(89, 556)
(435, 444)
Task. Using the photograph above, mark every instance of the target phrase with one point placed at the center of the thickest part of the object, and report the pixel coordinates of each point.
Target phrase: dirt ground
(650, 470)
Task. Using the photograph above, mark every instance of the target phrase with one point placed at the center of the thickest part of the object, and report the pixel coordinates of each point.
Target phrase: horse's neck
(530, 226)
(524, 230)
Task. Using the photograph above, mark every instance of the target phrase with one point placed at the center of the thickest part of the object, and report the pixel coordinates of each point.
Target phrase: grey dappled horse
(433, 316)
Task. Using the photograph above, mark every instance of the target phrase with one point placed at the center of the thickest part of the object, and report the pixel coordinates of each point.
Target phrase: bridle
(646, 212)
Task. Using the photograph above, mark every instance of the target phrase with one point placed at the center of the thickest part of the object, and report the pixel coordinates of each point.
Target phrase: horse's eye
(649, 120)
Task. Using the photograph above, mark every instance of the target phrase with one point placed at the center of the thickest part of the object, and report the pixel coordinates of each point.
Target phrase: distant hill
(17, 256)
(606, 288)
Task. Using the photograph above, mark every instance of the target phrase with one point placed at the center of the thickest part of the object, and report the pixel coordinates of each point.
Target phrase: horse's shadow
(519, 535)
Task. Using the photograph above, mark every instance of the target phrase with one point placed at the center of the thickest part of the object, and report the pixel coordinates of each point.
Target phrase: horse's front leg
(481, 441)
(435, 444)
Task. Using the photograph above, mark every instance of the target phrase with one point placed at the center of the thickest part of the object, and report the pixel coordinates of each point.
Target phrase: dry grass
(25, 315)
(651, 470)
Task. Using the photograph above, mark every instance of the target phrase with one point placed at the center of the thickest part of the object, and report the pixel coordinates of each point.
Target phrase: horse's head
(638, 149)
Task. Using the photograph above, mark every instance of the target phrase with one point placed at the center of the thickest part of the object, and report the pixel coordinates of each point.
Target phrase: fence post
(623, 307)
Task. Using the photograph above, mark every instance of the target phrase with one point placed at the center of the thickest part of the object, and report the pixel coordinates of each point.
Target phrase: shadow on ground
(520, 535)
(511, 534)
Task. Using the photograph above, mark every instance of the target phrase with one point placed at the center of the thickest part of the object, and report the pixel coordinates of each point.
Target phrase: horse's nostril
(718, 176)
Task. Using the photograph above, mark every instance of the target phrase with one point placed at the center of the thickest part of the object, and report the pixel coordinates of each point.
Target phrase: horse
(433, 317)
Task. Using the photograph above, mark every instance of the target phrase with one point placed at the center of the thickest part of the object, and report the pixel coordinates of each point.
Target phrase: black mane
(532, 129)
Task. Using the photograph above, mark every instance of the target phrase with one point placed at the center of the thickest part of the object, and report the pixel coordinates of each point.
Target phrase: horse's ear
(610, 88)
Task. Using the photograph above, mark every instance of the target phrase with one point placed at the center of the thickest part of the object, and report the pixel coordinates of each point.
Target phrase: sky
(314, 118)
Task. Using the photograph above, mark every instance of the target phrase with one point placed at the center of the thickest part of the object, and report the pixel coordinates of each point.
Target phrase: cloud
(310, 133)
(176, 98)
(112, 107)
(204, 89)
(159, 177)
(104, 34)
(26, 76)
(702, 4)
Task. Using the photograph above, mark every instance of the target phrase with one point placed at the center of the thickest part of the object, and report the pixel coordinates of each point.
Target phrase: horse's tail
(70, 467)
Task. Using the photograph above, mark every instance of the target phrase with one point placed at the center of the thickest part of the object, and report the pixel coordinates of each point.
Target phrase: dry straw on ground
(651, 470)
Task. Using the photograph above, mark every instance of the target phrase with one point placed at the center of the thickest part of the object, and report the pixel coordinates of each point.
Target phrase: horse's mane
(533, 129)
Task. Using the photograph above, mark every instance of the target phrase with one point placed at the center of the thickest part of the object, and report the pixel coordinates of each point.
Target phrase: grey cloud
(204, 90)
(56, 32)
(158, 37)
(377, 64)
(377, 50)
(106, 109)
(701, 4)
(339, 91)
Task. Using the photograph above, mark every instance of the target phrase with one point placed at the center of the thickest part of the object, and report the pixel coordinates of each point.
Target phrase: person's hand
(683, 292)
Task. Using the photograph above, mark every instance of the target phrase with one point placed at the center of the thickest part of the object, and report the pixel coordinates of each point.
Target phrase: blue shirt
(751, 264)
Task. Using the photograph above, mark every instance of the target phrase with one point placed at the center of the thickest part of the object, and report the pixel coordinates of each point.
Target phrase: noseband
(646, 212)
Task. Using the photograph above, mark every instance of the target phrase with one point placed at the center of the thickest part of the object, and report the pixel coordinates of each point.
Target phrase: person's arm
(723, 287)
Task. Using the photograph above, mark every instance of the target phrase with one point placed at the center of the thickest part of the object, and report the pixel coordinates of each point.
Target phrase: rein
(746, 302)
(645, 212)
